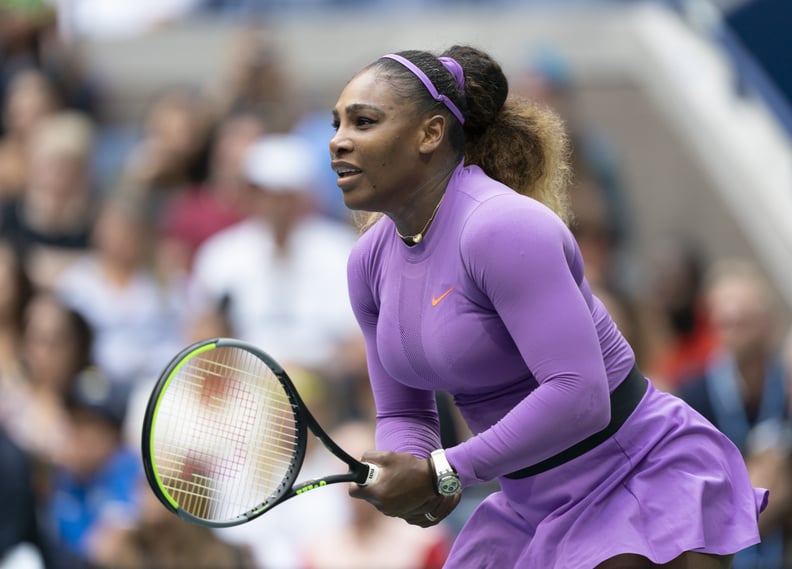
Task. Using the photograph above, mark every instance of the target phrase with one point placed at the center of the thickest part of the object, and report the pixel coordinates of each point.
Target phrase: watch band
(440, 462)
(446, 479)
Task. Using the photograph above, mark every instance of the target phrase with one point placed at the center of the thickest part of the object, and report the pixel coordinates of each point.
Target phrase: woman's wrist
(445, 479)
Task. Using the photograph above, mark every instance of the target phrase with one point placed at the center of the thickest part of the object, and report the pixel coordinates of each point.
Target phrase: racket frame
(359, 472)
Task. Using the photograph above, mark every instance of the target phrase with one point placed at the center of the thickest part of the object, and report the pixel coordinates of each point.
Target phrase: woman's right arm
(407, 419)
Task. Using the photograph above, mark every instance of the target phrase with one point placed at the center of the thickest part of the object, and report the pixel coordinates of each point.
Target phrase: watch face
(449, 485)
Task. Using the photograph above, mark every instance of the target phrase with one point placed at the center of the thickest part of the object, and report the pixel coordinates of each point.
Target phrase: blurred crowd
(216, 214)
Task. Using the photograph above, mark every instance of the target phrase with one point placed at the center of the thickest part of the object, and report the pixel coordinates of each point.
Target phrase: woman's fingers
(403, 485)
(433, 511)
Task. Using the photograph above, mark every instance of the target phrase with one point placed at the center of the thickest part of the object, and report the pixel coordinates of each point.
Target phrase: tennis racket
(225, 434)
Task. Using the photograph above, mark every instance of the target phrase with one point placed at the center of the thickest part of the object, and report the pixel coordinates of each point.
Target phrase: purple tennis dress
(492, 306)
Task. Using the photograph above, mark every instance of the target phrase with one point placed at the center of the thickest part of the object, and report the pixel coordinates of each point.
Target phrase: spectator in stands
(29, 98)
(25, 541)
(29, 37)
(197, 212)
(282, 270)
(744, 383)
(591, 228)
(255, 78)
(684, 336)
(114, 288)
(24, 29)
(52, 219)
(171, 154)
(769, 460)
(95, 484)
(19, 523)
(56, 345)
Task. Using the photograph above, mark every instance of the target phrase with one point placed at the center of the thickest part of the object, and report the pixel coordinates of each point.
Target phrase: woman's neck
(416, 214)
(118, 273)
(56, 216)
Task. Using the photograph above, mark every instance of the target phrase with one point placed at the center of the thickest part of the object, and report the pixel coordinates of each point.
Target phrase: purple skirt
(667, 482)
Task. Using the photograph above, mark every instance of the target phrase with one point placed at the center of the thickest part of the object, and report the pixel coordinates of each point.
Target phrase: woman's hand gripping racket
(224, 436)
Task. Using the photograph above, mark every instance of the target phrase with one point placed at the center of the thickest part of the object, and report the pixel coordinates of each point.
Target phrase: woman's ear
(432, 133)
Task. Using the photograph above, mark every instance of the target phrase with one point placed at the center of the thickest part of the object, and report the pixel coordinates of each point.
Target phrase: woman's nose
(338, 144)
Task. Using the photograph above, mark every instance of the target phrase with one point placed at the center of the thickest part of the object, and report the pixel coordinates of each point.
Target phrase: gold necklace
(418, 237)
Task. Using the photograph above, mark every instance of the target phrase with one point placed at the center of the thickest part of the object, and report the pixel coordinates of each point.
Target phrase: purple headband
(453, 67)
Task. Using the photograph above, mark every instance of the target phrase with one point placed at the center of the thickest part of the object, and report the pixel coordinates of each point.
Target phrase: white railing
(735, 137)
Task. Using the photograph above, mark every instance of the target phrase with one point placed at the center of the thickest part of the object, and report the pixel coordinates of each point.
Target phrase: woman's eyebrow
(356, 107)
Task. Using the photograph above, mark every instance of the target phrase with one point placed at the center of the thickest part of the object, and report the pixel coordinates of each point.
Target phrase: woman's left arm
(528, 265)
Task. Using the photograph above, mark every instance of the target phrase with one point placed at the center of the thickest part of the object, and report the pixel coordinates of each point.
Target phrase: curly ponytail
(518, 142)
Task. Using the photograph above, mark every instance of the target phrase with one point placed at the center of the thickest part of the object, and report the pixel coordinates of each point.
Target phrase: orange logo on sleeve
(436, 300)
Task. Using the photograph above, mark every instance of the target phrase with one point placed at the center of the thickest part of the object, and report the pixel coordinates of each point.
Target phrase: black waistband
(624, 399)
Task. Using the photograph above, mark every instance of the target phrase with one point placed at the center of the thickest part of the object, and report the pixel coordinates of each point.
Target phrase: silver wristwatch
(446, 479)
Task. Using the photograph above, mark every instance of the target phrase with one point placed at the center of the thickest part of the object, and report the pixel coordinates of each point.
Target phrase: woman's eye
(365, 121)
(358, 122)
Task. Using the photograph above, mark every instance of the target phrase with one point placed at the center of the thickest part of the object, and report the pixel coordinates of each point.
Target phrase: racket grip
(373, 474)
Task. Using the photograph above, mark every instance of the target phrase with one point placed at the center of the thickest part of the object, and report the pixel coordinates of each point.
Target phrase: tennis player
(471, 282)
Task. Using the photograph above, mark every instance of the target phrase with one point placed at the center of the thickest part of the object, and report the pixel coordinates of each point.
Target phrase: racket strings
(226, 434)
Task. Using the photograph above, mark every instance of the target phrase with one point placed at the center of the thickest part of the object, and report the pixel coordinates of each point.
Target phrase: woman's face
(375, 150)
(50, 346)
(30, 98)
(121, 236)
(55, 176)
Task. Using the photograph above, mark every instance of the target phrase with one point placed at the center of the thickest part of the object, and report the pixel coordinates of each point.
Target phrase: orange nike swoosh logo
(436, 301)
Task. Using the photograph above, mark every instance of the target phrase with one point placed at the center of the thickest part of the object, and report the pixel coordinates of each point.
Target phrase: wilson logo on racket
(215, 389)
(310, 487)
(225, 436)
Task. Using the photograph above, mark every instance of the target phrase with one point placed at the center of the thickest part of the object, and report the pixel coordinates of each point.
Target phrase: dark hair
(516, 141)
(83, 335)
(79, 331)
(23, 284)
(405, 84)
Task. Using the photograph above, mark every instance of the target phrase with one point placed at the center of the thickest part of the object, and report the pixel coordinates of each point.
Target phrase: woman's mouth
(347, 172)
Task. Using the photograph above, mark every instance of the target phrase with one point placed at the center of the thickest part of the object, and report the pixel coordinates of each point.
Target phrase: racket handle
(373, 474)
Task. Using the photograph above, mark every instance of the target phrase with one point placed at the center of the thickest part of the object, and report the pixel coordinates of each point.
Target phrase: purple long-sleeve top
(492, 307)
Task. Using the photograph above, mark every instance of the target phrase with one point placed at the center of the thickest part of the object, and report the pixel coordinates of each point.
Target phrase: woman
(55, 345)
(467, 286)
